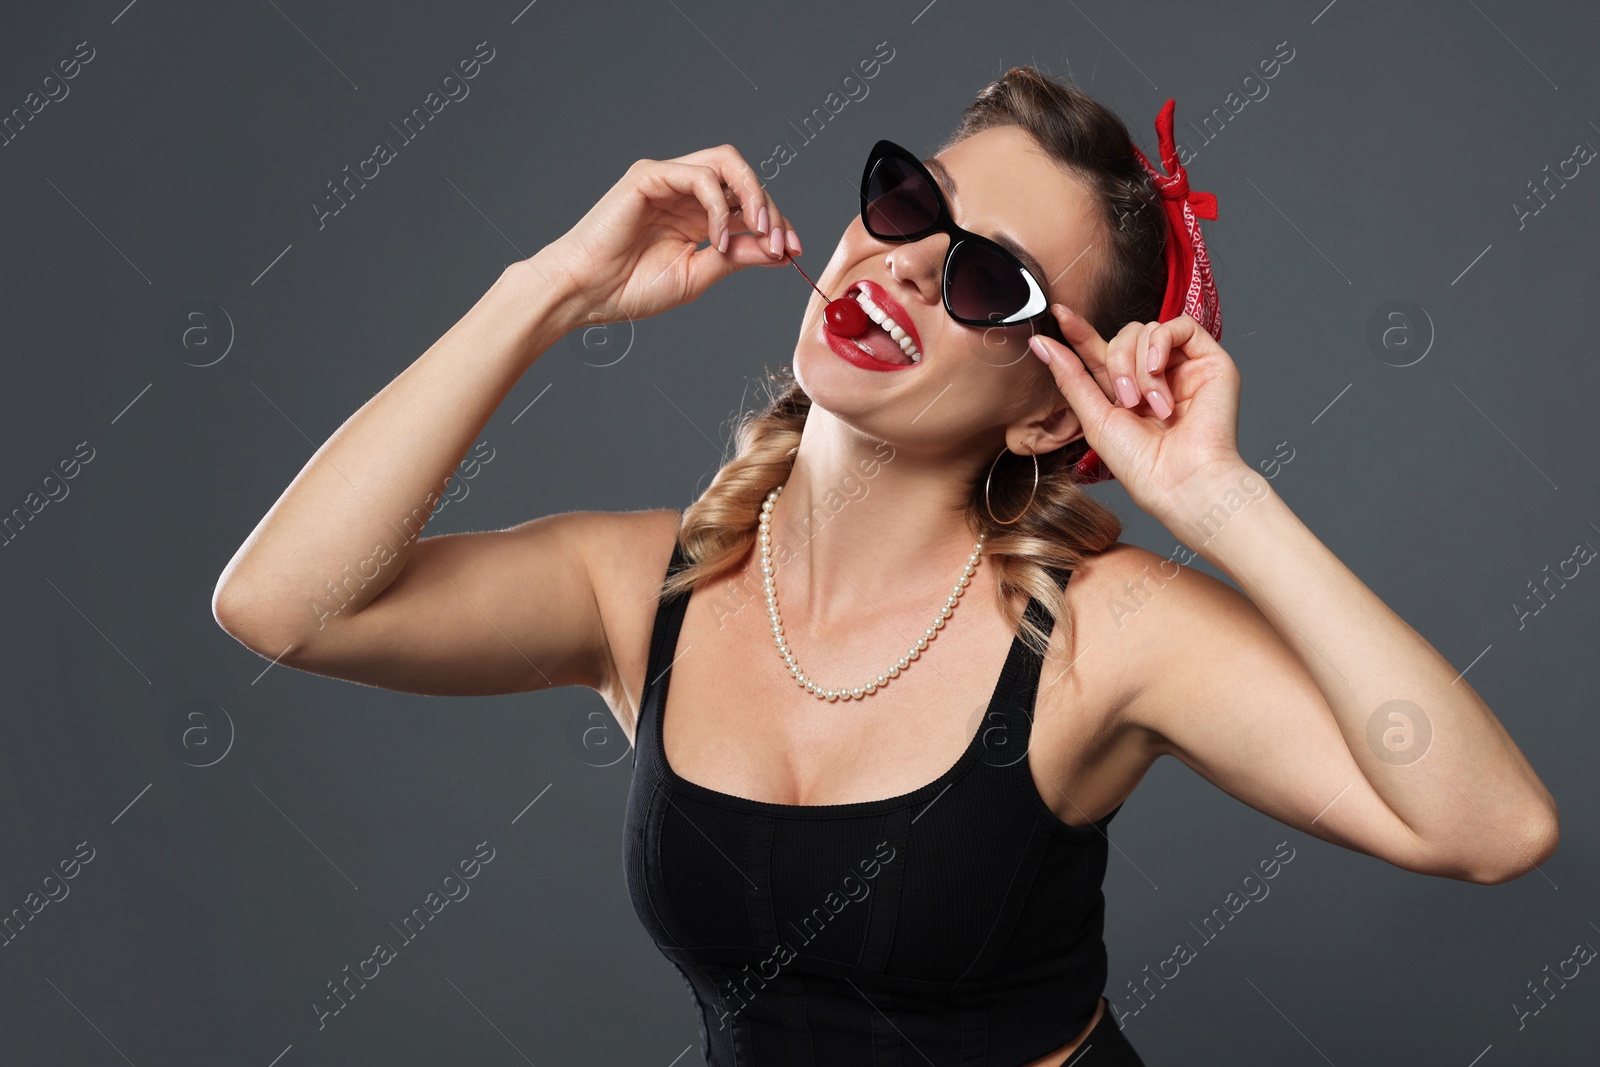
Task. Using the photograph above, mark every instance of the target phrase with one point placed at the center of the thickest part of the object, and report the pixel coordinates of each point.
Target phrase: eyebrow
(1004, 240)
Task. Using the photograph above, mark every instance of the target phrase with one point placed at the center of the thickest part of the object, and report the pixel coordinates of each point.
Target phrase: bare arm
(337, 579)
(1312, 701)
(346, 534)
(1303, 694)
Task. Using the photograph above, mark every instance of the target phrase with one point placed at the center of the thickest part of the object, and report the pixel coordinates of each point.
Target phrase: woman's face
(970, 382)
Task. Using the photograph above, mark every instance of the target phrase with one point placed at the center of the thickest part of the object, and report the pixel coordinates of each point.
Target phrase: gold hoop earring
(1024, 511)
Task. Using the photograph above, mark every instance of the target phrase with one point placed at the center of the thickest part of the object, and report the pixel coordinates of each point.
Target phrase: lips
(848, 350)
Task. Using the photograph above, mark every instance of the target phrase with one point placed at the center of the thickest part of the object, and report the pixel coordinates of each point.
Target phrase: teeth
(879, 316)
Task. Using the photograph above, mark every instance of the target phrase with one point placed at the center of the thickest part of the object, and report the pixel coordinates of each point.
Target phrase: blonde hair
(1063, 525)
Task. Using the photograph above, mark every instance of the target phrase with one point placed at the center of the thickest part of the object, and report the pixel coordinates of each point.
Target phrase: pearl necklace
(881, 680)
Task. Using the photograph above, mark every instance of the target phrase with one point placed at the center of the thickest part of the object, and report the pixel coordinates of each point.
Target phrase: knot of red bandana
(1190, 288)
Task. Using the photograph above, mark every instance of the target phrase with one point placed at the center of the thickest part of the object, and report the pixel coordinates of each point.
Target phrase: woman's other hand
(1159, 403)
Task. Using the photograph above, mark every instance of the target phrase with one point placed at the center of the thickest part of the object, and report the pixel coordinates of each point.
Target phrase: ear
(1054, 428)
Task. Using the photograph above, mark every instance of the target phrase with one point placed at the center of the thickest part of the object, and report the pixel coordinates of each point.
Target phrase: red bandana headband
(1190, 287)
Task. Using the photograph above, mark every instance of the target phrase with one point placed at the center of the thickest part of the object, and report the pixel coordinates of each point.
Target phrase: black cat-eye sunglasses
(984, 283)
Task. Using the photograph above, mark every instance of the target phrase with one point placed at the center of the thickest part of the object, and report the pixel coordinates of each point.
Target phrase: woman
(826, 892)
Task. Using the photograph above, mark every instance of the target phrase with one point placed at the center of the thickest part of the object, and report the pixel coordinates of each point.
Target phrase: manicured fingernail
(722, 240)
(1158, 404)
(1127, 393)
(1040, 349)
(1151, 359)
(794, 242)
(775, 242)
(761, 221)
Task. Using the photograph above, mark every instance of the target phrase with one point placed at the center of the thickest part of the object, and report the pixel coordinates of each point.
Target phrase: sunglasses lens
(986, 284)
(900, 201)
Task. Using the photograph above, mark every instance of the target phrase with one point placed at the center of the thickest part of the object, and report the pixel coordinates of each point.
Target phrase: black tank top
(957, 925)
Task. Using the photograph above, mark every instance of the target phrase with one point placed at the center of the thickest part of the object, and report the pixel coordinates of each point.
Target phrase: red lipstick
(844, 319)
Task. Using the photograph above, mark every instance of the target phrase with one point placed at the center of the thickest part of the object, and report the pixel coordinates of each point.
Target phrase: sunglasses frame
(946, 223)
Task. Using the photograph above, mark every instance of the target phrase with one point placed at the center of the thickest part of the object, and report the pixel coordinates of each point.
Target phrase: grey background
(221, 899)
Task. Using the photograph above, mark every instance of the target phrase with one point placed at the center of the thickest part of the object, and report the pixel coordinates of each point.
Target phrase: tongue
(883, 347)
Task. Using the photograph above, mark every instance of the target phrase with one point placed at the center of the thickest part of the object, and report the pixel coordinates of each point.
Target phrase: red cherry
(845, 317)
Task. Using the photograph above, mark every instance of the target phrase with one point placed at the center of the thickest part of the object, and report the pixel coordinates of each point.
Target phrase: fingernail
(1040, 349)
(1151, 359)
(761, 221)
(775, 242)
(1127, 393)
(794, 242)
(722, 240)
(1158, 404)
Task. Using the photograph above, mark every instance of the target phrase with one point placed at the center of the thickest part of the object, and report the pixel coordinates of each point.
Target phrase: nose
(917, 264)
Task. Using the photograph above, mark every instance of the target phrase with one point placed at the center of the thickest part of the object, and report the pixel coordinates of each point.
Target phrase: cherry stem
(807, 277)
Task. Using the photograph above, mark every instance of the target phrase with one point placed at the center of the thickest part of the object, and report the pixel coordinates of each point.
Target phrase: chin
(876, 405)
(853, 395)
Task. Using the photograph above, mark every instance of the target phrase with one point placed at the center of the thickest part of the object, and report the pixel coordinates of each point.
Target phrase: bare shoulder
(627, 554)
(1155, 622)
(1102, 592)
(1128, 591)
(1108, 586)
(1122, 605)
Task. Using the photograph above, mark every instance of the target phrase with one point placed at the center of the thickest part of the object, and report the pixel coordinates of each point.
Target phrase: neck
(863, 530)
